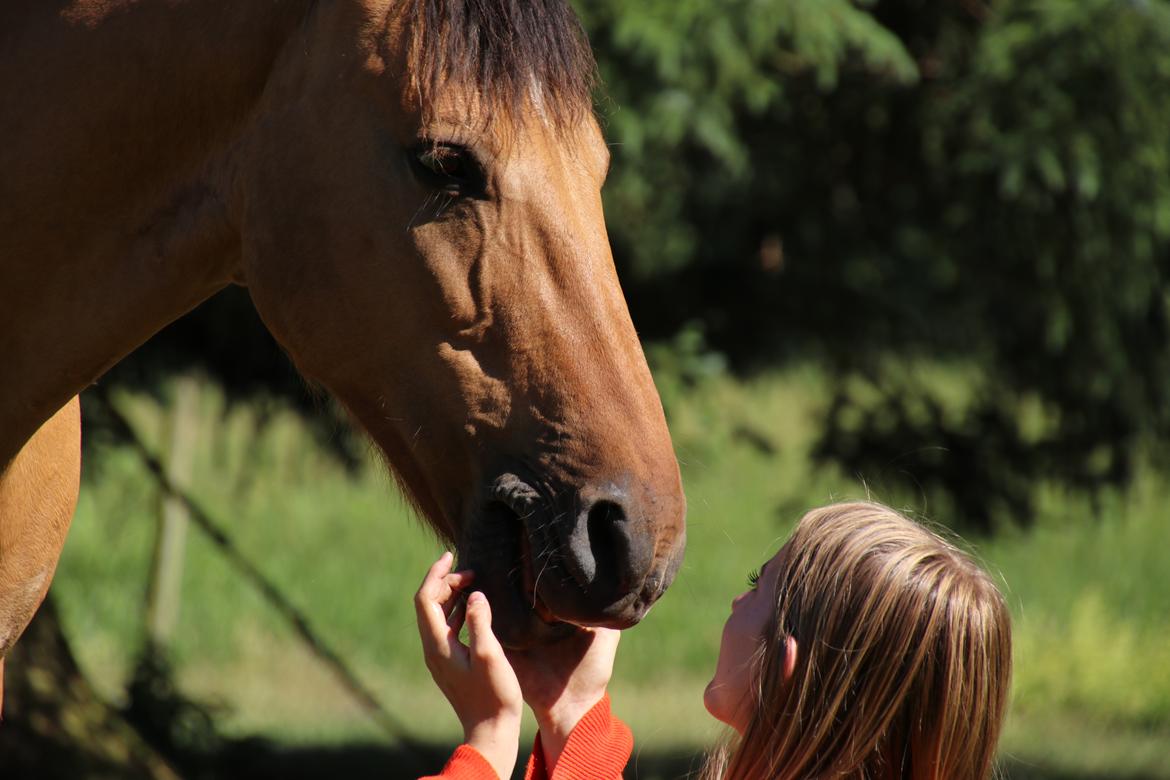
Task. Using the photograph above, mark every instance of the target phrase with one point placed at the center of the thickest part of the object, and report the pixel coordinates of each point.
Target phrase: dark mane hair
(501, 50)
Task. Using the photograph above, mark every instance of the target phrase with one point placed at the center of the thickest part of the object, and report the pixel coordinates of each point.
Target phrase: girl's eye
(754, 578)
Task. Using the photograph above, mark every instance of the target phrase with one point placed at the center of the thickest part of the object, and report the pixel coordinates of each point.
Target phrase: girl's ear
(790, 651)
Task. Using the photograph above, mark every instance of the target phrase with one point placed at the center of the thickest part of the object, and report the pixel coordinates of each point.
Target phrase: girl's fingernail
(475, 597)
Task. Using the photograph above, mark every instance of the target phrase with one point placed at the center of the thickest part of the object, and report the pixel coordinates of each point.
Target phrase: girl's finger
(483, 643)
(432, 584)
(457, 615)
(456, 582)
(432, 622)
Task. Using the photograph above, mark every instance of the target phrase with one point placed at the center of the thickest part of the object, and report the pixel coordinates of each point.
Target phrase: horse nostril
(606, 552)
(609, 544)
(609, 550)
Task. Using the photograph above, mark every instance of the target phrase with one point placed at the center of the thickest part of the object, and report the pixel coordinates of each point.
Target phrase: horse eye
(448, 166)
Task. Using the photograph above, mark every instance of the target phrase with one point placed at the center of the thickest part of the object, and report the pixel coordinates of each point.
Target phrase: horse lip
(516, 494)
(530, 579)
(524, 501)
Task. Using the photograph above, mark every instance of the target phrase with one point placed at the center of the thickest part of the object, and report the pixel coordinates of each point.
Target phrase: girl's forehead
(777, 559)
(771, 567)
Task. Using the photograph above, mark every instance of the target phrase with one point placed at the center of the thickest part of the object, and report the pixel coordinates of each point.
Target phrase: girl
(866, 648)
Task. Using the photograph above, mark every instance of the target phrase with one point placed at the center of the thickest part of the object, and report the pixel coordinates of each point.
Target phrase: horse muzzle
(589, 557)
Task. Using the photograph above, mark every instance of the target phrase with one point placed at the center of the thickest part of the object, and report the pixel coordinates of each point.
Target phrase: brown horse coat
(411, 193)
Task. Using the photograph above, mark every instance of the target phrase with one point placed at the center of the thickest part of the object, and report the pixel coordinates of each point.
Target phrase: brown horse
(410, 191)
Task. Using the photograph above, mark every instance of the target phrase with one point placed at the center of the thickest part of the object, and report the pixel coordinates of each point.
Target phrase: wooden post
(166, 570)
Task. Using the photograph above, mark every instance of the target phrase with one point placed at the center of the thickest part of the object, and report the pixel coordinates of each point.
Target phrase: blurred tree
(1059, 148)
(686, 84)
(958, 179)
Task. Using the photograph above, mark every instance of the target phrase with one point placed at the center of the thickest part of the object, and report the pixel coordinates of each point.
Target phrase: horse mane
(509, 54)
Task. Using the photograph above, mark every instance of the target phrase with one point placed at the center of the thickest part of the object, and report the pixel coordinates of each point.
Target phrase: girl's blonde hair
(903, 657)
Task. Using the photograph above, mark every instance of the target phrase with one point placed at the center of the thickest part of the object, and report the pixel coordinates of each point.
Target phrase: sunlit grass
(1088, 585)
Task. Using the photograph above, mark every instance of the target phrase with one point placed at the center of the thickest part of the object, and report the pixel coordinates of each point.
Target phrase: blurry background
(909, 249)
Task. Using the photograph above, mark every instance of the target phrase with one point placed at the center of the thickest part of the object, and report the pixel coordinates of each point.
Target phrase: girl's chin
(715, 699)
(709, 698)
(713, 696)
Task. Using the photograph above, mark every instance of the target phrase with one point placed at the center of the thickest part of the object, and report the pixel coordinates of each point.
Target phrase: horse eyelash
(753, 578)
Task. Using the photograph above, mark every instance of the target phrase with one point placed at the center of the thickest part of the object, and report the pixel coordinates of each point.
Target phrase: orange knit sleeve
(466, 763)
(598, 748)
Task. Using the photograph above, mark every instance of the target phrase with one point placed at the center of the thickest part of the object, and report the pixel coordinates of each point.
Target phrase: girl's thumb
(479, 627)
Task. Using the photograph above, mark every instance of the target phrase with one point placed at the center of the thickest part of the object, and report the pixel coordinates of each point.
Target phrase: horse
(409, 190)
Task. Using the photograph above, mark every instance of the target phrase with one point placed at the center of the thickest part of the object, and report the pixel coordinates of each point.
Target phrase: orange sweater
(598, 748)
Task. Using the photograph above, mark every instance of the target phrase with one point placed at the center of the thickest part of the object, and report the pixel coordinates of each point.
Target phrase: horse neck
(115, 209)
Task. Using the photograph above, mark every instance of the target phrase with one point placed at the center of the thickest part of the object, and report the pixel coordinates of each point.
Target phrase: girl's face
(729, 696)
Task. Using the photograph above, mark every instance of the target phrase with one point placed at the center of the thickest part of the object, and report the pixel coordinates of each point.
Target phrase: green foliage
(682, 364)
(679, 78)
(1063, 125)
(1055, 171)
(858, 180)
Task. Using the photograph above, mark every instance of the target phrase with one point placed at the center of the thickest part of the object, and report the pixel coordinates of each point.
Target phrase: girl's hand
(562, 682)
(476, 679)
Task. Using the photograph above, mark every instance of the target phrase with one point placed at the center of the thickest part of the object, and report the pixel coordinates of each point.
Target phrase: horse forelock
(513, 58)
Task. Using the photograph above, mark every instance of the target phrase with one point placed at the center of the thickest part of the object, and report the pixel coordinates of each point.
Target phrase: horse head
(423, 233)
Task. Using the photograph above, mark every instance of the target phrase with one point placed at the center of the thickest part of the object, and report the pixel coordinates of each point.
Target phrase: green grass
(1088, 584)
